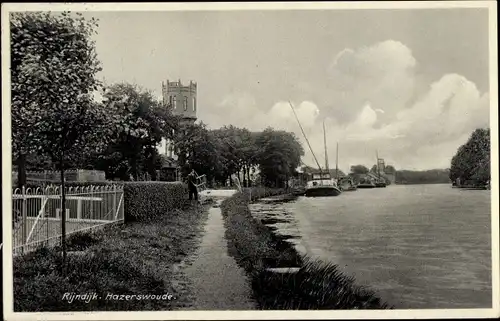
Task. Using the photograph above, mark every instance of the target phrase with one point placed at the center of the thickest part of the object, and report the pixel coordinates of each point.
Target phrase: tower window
(174, 102)
(185, 103)
(170, 100)
(194, 103)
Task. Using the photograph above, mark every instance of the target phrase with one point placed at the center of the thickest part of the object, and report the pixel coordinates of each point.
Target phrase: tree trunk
(133, 167)
(153, 168)
(248, 177)
(244, 176)
(21, 170)
(63, 216)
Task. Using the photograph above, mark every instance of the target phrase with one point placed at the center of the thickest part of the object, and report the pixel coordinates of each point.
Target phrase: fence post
(122, 204)
(114, 201)
(79, 209)
(91, 215)
(25, 218)
(46, 193)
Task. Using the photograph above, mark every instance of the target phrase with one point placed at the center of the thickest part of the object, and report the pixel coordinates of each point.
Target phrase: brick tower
(182, 99)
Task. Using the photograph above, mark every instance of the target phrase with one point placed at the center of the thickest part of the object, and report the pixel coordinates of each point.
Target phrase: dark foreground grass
(317, 285)
(132, 259)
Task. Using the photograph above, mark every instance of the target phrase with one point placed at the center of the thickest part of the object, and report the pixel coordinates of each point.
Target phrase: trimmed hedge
(146, 201)
(316, 286)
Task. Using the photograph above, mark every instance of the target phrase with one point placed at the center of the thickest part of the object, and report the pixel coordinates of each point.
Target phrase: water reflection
(422, 246)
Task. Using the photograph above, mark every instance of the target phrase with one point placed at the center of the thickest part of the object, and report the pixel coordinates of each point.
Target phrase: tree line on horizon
(471, 165)
(402, 176)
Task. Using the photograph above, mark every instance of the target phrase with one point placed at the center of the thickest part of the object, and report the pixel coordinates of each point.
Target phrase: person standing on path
(193, 190)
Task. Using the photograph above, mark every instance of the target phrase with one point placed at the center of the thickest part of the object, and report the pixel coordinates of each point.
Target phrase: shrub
(145, 201)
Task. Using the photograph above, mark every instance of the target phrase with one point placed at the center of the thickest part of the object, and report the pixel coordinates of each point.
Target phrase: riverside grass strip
(315, 286)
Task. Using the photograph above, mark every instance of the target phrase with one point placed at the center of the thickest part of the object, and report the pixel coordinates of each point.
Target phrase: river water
(417, 246)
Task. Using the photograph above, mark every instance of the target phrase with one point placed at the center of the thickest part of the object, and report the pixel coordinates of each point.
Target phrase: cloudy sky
(412, 84)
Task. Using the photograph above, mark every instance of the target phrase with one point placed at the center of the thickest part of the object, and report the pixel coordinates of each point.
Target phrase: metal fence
(36, 213)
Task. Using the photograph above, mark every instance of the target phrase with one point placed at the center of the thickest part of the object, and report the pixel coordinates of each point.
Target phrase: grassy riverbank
(316, 285)
(136, 258)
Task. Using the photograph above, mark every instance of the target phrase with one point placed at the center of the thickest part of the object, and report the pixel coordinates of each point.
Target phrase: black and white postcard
(287, 160)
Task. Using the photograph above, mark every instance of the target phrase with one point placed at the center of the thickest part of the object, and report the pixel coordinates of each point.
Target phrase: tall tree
(199, 150)
(230, 150)
(472, 160)
(140, 122)
(279, 156)
(53, 69)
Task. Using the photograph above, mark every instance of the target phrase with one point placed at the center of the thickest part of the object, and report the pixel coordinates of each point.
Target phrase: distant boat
(470, 185)
(346, 184)
(321, 184)
(380, 181)
(366, 184)
(350, 188)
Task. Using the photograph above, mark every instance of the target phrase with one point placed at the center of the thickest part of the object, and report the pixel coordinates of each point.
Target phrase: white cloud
(382, 74)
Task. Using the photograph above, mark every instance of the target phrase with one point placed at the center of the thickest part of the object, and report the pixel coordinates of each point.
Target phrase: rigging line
(307, 140)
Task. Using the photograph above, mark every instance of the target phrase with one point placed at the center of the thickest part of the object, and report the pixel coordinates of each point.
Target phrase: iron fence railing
(36, 213)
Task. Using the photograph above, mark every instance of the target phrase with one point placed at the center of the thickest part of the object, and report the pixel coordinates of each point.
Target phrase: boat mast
(378, 167)
(337, 163)
(326, 152)
(307, 140)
